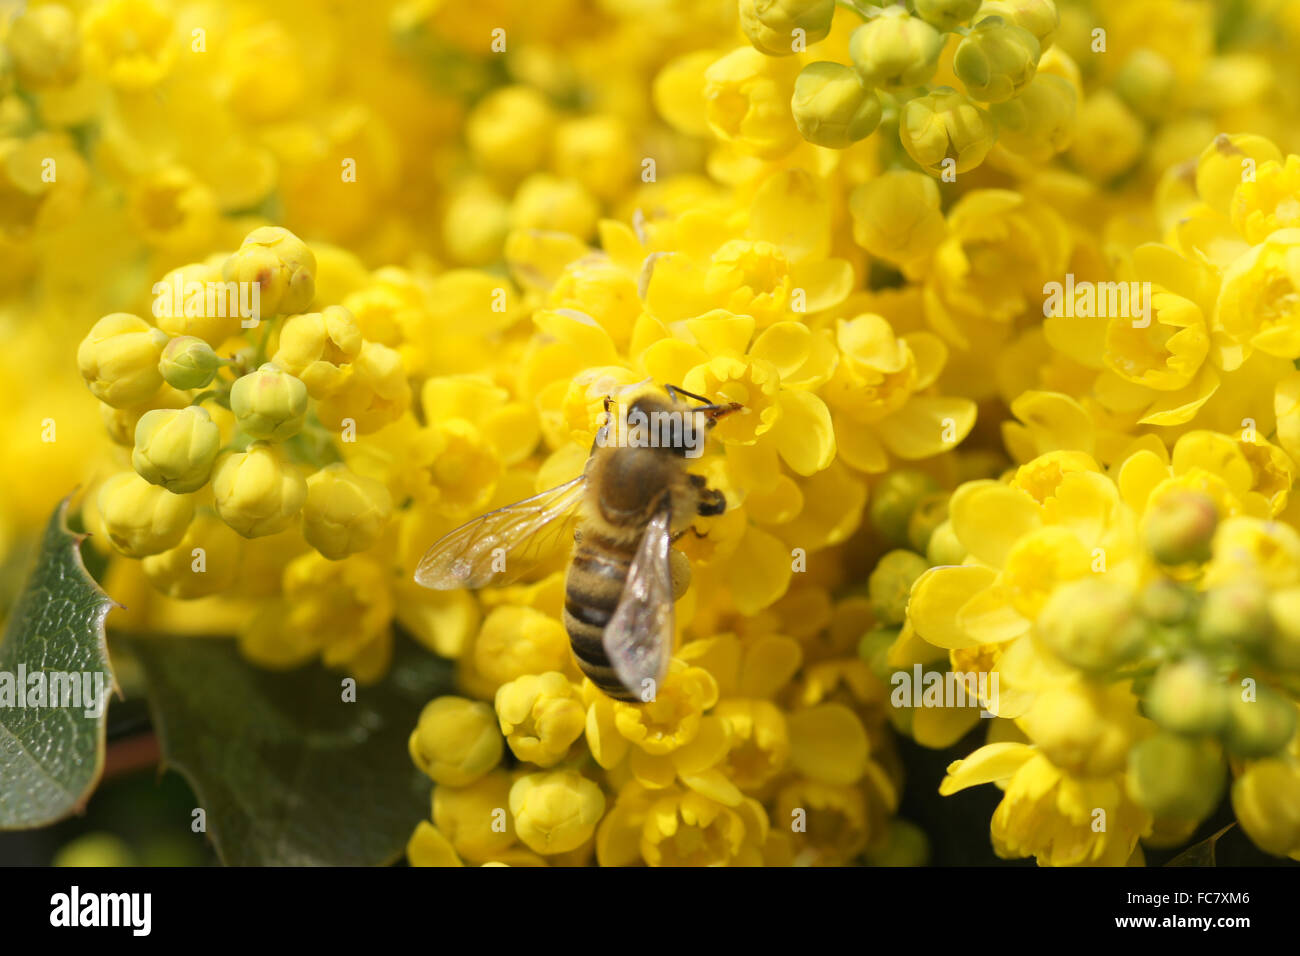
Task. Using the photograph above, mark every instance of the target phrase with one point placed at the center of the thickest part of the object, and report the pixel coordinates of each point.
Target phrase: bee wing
(526, 532)
(639, 637)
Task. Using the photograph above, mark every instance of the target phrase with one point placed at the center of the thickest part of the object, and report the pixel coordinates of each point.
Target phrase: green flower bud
(1039, 17)
(1166, 602)
(257, 492)
(1175, 777)
(895, 50)
(1091, 625)
(831, 106)
(894, 499)
(1180, 527)
(1187, 698)
(945, 125)
(142, 519)
(771, 24)
(930, 512)
(1284, 636)
(946, 14)
(188, 362)
(1259, 727)
(1146, 82)
(175, 448)
(905, 845)
(1039, 123)
(890, 584)
(269, 404)
(874, 649)
(996, 60)
(944, 548)
(118, 359)
(1235, 615)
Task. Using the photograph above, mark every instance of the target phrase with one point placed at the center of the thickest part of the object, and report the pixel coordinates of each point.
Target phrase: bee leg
(602, 433)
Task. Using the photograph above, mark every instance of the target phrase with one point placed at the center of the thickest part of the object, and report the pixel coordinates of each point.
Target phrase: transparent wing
(501, 546)
(639, 637)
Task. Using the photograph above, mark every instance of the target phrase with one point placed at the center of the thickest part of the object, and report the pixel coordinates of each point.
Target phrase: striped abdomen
(591, 593)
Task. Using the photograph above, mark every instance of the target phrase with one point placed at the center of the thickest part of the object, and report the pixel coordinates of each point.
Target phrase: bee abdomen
(592, 591)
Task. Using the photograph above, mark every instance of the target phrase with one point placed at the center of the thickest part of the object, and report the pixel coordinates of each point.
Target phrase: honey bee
(633, 499)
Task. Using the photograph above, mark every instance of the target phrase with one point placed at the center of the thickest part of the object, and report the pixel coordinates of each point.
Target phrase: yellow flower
(269, 404)
(541, 716)
(257, 492)
(509, 131)
(191, 301)
(142, 519)
(1265, 798)
(996, 60)
(895, 50)
(45, 47)
(672, 718)
(555, 812)
(204, 562)
(129, 42)
(282, 265)
(456, 741)
(945, 131)
(747, 102)
(1268, 202)
(372, 393)
(176, 448)
(896, 216)
(686, 829)
(1259, 303)
(119, 357)
(474, 817)
(316, 347)
(771, 24)
(344, 512)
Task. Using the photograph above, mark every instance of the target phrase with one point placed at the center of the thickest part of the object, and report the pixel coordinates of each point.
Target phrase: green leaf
(51, 757)
(286, 772)
(1200, 854)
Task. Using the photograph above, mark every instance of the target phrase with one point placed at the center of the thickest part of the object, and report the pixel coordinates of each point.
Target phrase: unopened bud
(945, 124)
(1146, 82)
(894, 500)
(996, 60)
(269, 404)
(895, 50)
(832, 107)
(1235, 615)
(770, 24)
(1091, 625)
(1180, 527)
(1186, 697)
(890, 584)
(188, 362)
(1176, 777)
(1259, 727)
(946, 14)
(175, 448)
(930, 512)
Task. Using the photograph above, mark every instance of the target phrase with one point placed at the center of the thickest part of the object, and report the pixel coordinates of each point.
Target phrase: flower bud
(555, 812)
(345, 512)
(541, 716)
(944, 548)
(930, 512)
(257, 492)
(1185, 697)
(282, 265)
(1039, 123)
(269, 404)
(1175, 777)
(946, 14)
(746, 102)
(874, 649)
(1235, 615)
(996, 60)
(45, 44)
(1146, 82)
(188, 362)
(119, 357)
(1180, 527)
(897, 216)
(142, 519)
(1284, 635)
(1219, 167)
(202, 564)
(771, 24)
(1108, 138)
(890, 584)
(316, 346)
(456, 741)
(175, 448)
(945, 125)
(1039, 17)
(895, 50)
(1265, 797)
(1091, 626)
(1166, 602)
(509, 131)
(1261, 726)
(831, 106)
(1085, 728)
(894, 499)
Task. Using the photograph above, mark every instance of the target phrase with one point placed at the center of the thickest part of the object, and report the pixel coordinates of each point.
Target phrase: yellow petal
(428, 847)
(989, 764)
(786, 345)
(941, 727)
(804, 435)
(828, 743)
(858, 446)
(669, 360)
(791, 211)
(763, 577)
(722, 333)
(937, 596)
(826, 282)
(989, 517)
(769, 664)
(927, 425)
(608, 746)
(989, 618)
